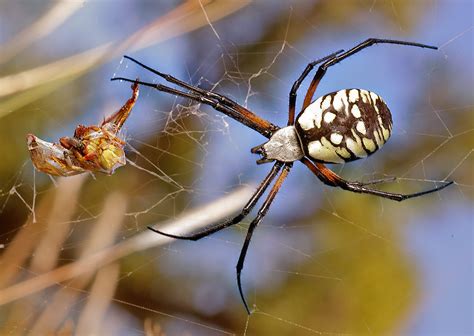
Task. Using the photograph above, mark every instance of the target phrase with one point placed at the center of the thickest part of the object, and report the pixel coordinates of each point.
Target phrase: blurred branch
(183, 19)
(102, 236)
(190, 221)
(61, 212)
(47, 23)
(32, 234)
(101, 293)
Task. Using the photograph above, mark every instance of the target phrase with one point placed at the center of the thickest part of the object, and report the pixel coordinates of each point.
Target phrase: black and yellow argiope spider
(338, 127)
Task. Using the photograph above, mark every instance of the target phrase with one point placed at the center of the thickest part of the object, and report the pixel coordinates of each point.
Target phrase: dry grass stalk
(102, 235)
(31, 234)
(101, 294)
(45, 24)
(54, 212)
(63, 208)
(183, 19)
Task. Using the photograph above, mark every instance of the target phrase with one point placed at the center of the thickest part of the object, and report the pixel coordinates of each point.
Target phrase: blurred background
(324, 261)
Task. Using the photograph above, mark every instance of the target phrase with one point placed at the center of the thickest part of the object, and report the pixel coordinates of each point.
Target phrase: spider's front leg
(297, 84)
(341, 56)
(236, 110)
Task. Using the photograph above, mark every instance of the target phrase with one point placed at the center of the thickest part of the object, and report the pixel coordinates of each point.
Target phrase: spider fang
(283, 146)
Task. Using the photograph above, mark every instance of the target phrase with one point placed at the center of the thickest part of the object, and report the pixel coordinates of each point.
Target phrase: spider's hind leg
(330, 178)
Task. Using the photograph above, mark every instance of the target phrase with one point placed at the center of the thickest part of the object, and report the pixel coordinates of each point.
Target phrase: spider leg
(171, 79)
(249, 119)
(245, 211)
(330, 178)
(379, 181)
(338, 58)
(212, 95)
(261, 214)
(297, 84)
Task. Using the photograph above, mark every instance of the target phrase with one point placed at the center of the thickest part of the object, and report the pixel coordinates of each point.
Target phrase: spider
(92, 148)
(338, 127)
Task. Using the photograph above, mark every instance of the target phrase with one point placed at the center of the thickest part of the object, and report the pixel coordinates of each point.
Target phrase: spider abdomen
(344, 126)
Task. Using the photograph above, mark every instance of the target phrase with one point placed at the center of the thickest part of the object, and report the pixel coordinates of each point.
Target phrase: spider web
(323, 261)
